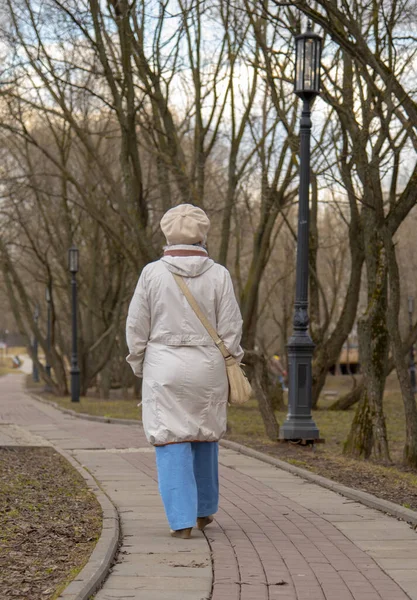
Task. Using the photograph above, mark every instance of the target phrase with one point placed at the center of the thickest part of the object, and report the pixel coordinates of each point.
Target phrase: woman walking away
(185, 386)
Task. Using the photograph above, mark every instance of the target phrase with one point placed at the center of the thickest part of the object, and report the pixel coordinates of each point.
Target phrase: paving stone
(409, 587)
(389, 564)
(137, 545)
(121, 594)
(179, 559)
(226, 591)
(120, 582)
(160, 570)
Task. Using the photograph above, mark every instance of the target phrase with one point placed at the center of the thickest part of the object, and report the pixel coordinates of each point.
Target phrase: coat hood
(187, 266)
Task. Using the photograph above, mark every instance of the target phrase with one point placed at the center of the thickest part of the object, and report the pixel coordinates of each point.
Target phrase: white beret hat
(185, 224)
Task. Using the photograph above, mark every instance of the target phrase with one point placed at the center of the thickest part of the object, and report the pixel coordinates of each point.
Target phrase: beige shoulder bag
(239, 387)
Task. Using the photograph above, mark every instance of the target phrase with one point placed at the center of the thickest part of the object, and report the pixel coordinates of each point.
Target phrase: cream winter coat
(185, 387)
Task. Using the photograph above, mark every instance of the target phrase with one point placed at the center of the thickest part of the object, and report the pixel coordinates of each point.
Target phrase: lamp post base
(75, 384)
(303, 442)
(299, 424)
(303, 432)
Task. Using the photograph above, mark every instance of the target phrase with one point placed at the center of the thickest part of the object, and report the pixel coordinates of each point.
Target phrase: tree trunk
(260, 384)
(360, 440)
(59, 386)
(105, 383)
(401, 360)
(368, 434)
(319, 373)
(227, 211)
(365, 438)
(410, 412)
(410, 446)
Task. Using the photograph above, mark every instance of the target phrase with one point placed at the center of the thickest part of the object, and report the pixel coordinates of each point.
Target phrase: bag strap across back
(204, 321)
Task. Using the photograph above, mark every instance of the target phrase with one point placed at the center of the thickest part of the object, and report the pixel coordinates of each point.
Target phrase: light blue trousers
(188, 478)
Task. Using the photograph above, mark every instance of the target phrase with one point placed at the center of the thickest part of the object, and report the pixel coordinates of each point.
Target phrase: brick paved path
(276, 536)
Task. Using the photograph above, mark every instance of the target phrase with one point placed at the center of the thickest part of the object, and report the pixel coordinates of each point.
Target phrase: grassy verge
(117, 409)
(246, 423)
(49, 523)
(6, 366)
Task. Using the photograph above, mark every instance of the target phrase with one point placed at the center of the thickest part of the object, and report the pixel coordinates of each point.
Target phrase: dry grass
(118, 409)
(6, 359)
(334, 426)
(6, 366)
(16, 350)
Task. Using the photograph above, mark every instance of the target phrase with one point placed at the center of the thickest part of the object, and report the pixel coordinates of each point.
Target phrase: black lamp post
(412, 364)
(35, 370)
(299, 425)
(75, 371)
(48, 298)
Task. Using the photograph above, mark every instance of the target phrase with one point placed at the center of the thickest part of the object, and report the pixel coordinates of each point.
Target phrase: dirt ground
(49, 523)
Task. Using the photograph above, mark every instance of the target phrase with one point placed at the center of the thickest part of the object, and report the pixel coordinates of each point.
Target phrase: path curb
(84, 416)
(369, 500)
(91, 577)
(395, 510)
(93, 574)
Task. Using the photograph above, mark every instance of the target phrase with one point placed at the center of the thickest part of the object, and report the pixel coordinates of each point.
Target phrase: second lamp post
(75, 371)
(299, 424)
